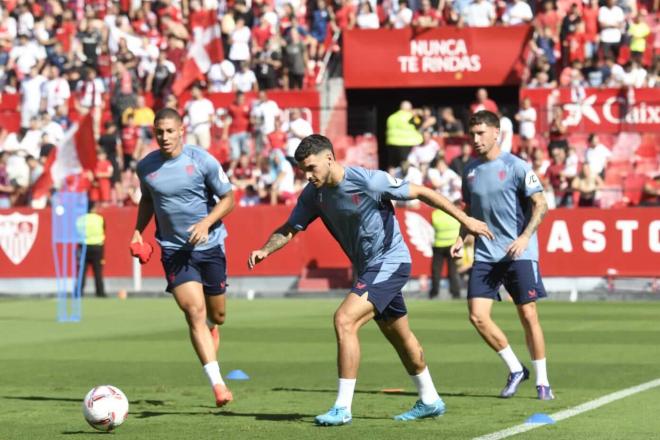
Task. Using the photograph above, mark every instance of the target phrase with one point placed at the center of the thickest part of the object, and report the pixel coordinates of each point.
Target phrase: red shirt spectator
(64, 34)
(427, 16)
(346, 15)
(240, 118)
(277, 139)
(102, 174)
(590, 19)
(129, 138)
(549, 18)
(483, 102)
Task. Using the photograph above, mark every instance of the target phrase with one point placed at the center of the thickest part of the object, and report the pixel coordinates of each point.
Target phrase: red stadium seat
(609, 196)
(451, 152)
(632, 188)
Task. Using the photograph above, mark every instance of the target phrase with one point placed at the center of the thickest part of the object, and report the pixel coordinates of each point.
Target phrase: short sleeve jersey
(498, 193)
(183, 191)
(359, 214)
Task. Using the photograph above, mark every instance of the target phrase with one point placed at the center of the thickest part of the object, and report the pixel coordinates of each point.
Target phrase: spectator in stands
(544, 43)
(569, 26)
(245, 80)
(243, 174)
(446, 229)
(479, 13)
(548, 21)
(86, 43)
(56, 91)
(143, 117)
(102, 185)
(262, 117)
(557, 131)
(638, 31)
(594, 72)
(283, 188)
(483, 102)
(517, 12)
(62, 117)
(634, 75)
(611, 20)
(402, 16)
(25, 55)
(6, 189)
(443, 179)
(159, 83)
(428, 121)
(320, 20)
(427, 16)
(130, 143)
(449, 125)
(110, 144)
(401, 135)
(237, 131)
(587, 183)
(91, 90)
(558, 179)
(597, 155)
(199, 113)
(526, 118)
(221, 77)
(541, 65)
(459, 163)
(268, 65)
(422, 155)
(53, 131)
(590, 17)
(295, 60)
(32, 87)
(278, 137)
(613, 72)
(297, 129)
(366, 17)
(540, 167)
(651, 191)
(240, 43)
(506, 133)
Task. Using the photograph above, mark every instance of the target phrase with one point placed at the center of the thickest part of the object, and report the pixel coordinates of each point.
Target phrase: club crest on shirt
(471, 175)
(190, 169)
(356, 199)
(502, 175)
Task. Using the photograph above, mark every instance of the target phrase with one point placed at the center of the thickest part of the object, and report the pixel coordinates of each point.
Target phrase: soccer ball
(105, 407)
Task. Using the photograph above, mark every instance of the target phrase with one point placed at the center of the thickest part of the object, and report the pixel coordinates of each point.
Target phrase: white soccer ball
(105, 407)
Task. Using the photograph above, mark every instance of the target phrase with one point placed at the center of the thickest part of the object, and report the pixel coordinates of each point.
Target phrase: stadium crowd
(118, 61)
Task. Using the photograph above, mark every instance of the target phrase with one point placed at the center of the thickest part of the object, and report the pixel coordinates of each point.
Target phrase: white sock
(541, 372)
(425, 388)
(212, 370)
(509, 357)
(345, 393)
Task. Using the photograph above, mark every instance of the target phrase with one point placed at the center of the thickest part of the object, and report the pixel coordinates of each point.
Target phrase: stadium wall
(573, 243)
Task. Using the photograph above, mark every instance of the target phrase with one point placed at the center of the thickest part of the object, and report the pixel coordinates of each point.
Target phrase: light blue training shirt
(359, 214)
(498, 193)
(182, 190)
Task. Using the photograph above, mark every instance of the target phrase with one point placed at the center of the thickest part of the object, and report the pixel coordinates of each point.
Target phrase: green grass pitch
(287, 347)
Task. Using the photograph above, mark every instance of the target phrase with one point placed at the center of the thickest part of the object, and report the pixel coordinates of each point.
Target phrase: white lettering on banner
(627, 227)
(654, 236)
(559, 238)
(594, 239)
(17, 235)
(614, 110)
(434, 56)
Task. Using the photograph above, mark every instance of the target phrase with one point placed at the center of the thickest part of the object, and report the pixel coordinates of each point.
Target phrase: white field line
(570, 412)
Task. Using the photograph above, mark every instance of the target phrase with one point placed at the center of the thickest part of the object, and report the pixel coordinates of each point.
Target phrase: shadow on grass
(92, 432)
(78, 399)
(393, 392)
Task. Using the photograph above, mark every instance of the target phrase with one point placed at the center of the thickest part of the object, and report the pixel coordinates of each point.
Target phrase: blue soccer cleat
(544, 392)
(513, 381)
(338, 415)
(422, 411)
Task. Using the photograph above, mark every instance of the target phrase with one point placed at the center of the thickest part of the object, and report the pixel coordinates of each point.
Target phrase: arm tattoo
(276, 241)
(539, 209)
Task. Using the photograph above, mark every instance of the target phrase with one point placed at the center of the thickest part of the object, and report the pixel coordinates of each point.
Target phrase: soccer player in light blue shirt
(355, 204)
(502, 190)
(189, 194)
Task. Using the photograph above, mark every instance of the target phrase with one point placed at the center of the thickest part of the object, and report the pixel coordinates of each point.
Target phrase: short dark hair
(312, 144)
(167, 113)
(484, 117)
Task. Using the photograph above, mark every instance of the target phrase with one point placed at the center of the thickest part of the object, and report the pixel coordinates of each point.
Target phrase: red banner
(439, 57)
(598, 110)
(576, 242)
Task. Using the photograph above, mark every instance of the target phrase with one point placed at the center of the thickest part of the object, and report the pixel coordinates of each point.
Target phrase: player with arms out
(502, 190)
(178, 185)
(355, 205)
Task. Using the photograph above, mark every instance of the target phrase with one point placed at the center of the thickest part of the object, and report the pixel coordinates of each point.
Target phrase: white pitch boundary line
(570, 412)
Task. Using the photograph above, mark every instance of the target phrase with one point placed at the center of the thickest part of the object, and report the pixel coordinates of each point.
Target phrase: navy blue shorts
(208, 267)
(521, 278)
(383, 283)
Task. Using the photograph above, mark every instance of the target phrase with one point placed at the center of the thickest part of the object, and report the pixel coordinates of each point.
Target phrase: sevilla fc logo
(17, 235)
(190, 169)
